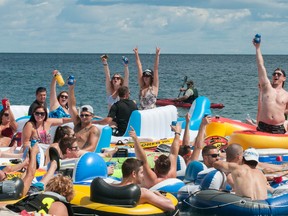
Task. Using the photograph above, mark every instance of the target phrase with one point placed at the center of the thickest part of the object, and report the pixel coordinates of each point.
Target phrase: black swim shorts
(274, 129)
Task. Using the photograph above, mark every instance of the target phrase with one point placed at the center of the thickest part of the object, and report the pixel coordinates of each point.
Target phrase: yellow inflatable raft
(256, 139)
(223, 127)
(83, 205)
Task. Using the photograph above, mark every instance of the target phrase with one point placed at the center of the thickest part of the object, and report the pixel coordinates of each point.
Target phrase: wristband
(105, 64)
(177, 133)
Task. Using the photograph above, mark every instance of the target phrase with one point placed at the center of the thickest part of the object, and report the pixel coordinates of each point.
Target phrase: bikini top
(7, 132)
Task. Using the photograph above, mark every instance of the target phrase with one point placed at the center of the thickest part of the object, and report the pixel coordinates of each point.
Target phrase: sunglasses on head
(214, 155)
(278, 74)
(116, 78)
(6, 114)
(64, 96)
(40, 113)
(84, 115)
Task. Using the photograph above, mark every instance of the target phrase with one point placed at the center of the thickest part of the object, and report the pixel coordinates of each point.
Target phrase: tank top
(148, 101)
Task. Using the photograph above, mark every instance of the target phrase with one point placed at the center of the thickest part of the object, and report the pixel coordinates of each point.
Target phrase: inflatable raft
(259, 140)
(170, 101)
(221, 126)
(215, 202)
(104, 199)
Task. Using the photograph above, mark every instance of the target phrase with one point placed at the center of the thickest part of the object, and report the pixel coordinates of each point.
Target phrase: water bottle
(257, 38)
(125, 60)
(71, 80)
(59, 79)
(38, 157)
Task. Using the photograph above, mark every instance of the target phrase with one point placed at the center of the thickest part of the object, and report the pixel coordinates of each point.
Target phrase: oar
(184, 82)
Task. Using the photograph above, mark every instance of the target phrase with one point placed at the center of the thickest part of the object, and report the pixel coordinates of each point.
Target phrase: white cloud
(50, 26)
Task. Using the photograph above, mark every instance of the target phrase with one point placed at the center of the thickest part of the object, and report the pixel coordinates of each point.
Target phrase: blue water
(228, 79)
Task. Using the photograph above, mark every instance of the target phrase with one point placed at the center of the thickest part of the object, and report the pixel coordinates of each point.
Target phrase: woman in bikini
(58, 103)
(39, 125)
(8, 126)
(112, 84)
(148, 82)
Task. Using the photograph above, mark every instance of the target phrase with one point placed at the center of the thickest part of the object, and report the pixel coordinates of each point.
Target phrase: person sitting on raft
(248, 181)
(132, 171)
(165, 166)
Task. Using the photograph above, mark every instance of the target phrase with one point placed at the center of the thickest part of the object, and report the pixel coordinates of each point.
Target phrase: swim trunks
(274, 129)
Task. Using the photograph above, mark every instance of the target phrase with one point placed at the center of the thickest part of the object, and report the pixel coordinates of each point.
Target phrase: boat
(170, 101)
(215, 202)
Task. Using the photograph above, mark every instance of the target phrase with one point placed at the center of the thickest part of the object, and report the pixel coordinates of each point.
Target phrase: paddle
(184, 82)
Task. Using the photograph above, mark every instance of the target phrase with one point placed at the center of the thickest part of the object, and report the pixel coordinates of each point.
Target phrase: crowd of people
(240, 167)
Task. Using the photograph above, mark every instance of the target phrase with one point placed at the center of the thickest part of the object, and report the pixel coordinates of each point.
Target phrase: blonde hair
(62, 185)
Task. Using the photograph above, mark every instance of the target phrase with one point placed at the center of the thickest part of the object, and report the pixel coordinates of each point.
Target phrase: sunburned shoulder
(59, 209)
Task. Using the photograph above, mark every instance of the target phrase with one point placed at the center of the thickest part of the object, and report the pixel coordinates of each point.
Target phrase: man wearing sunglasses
(86, 133)
(273, 99)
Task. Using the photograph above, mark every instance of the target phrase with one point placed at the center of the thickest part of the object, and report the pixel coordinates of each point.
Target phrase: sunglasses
(64, 96)
(39, 113)
(214, 155)
(116, 78)
(6, 114)
(85, 115)
(76, 148)
(146, 75)
(278, 74)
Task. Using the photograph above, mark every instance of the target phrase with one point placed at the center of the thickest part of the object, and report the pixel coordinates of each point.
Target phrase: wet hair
(65, 143)
(162, 165)
(232, 151)
(207, 148)
(58, 98)
(130, 165)
(32, 117)
(40, 89)
(62, 185)
(122, 91)
(121, 78)
(60, 132)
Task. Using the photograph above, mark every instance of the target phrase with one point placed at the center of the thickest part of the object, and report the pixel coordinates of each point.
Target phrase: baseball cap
(251, 154)
(148, 72)
(86, 108)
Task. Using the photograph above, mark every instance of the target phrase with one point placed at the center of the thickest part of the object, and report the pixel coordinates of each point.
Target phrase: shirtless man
(86, 133)
(132, 170)
(165, 166)
(248, 181)
(274, 99)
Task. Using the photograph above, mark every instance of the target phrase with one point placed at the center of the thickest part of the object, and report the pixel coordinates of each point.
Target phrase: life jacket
(39, 202)
(192, 97)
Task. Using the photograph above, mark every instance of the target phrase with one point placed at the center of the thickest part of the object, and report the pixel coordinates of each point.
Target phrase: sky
(117, 26)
